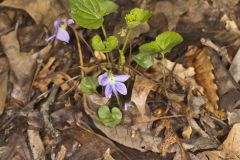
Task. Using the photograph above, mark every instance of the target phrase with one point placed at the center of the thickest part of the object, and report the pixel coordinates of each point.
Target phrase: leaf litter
(192, 114)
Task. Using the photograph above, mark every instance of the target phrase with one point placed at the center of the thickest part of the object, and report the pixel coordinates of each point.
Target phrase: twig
(79, 51)
(221, 50)
(45, 109)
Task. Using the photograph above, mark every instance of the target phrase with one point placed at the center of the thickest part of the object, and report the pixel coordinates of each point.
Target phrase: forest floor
(185, 107)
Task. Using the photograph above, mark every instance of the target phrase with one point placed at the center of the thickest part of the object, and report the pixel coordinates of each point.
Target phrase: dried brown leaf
(199, 59)
(89, 144)
(230, 147)
(22, 66)
(140, 91)
(3, 82)
(42, 11)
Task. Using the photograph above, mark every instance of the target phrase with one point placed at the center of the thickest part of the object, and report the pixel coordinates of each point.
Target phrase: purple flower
(61, 33)
(113, 83)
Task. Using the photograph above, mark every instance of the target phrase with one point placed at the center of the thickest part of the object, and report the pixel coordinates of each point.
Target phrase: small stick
(79, 51)
(221, 50)
(45, 109)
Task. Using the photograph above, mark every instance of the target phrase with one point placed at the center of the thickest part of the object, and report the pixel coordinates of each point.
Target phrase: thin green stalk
(118, 101)
(105, 36)
(126, 40)
(121, 52)
(104, 32)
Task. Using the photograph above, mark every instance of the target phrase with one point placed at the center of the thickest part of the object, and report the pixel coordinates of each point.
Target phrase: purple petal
(121, 78)
(62, 35)
(114, 90)
(103, 79)
(70, 21)
(57, 23)
(50, 38)
(108, 91)
(121, 88)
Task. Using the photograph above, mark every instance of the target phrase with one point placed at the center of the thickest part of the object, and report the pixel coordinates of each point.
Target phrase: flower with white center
(113, 83)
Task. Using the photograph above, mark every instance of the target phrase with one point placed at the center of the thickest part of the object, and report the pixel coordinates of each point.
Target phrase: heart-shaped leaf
(168, 40)
(89, 85)
(97, 43)
(108, 46)
(145, 60)
(89, 13)
(151, 47)
(137, 16)
(147, 54)
(110, 118)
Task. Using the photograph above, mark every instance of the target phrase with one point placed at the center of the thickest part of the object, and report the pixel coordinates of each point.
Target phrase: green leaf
(148, 52)
(151, 47)
(97, 43)
(108, 7)
(89, 85)
(89, 13)
(111, 44)
(108, 46)
(137, 16)
(110, 118)
(168, 40)
(145, 59)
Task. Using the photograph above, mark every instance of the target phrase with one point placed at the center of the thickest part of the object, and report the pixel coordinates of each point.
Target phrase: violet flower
(60, 27)
(113, 83)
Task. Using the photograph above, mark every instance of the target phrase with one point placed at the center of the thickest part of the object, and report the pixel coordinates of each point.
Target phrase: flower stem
(121, 52)
(118, 101)
(109, 60)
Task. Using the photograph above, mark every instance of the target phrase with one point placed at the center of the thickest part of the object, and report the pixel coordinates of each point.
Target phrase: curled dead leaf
(199, 59)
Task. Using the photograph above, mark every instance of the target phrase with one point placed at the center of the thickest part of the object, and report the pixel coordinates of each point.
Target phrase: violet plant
(60, 30)
(90, 14)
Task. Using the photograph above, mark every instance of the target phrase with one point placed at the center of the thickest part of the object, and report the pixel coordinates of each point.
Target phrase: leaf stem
(104, 32)
(164, 73)
(126, 40)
